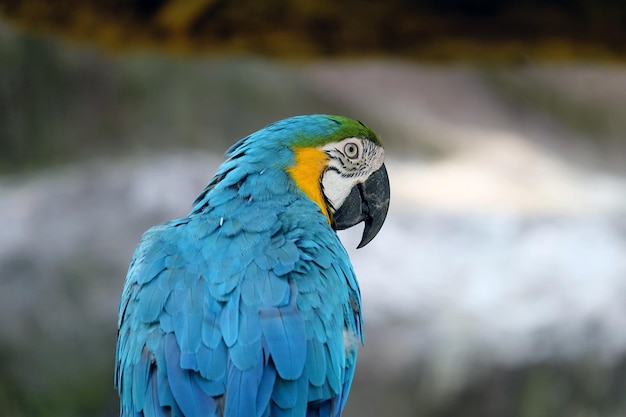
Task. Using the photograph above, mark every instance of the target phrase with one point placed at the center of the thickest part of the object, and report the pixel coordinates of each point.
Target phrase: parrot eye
(351, 150)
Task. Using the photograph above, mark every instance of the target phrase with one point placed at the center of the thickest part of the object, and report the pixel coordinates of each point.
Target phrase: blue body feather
(240, 308)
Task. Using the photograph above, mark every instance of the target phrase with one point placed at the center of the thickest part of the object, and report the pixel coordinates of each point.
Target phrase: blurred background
(497, 286)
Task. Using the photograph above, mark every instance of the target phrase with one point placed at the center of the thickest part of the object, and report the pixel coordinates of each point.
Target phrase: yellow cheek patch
(307, 171)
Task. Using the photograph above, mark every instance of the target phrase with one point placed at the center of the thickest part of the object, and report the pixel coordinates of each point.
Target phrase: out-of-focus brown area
(423, 29)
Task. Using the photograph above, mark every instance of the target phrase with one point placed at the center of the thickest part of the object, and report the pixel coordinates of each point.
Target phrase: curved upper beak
(368, 202)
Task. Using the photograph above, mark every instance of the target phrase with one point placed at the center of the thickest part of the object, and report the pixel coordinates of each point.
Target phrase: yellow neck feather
(307, 171)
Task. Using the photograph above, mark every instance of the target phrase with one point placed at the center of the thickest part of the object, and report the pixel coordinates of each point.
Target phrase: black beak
(369, 202)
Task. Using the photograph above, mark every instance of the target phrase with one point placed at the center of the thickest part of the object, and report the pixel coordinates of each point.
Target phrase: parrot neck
(309, 163)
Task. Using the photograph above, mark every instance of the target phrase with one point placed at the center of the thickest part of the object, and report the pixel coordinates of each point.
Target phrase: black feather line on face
(349, 168)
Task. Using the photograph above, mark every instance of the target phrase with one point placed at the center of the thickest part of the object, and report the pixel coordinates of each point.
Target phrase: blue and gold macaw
(249, 306)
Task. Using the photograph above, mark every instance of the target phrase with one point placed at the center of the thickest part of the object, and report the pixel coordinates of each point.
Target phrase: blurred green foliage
(60, 104)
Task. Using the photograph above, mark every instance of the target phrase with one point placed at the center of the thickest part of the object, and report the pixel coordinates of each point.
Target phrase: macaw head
(338, 163)
(335, 161)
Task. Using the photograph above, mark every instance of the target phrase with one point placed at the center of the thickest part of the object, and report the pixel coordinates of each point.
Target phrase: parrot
(249, 306)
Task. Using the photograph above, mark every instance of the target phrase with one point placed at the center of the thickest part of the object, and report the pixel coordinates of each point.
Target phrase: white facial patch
(336, 188)
(351, 161)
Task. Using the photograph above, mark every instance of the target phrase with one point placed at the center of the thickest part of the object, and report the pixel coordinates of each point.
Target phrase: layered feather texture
(240, 309)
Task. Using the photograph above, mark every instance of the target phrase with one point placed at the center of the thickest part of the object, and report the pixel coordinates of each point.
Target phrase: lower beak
(368, 202)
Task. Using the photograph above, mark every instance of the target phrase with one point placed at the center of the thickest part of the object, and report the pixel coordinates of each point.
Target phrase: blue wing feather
(245, 351)
(316, 362)
(265, 389)
(211, 333)
(285, 334)
(242, 388)
(294, 397)
(191, 399)
(140, 377)
(152, 407)
(229, 320)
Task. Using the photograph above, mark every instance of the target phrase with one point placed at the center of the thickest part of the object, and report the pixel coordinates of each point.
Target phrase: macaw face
(355, 185)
